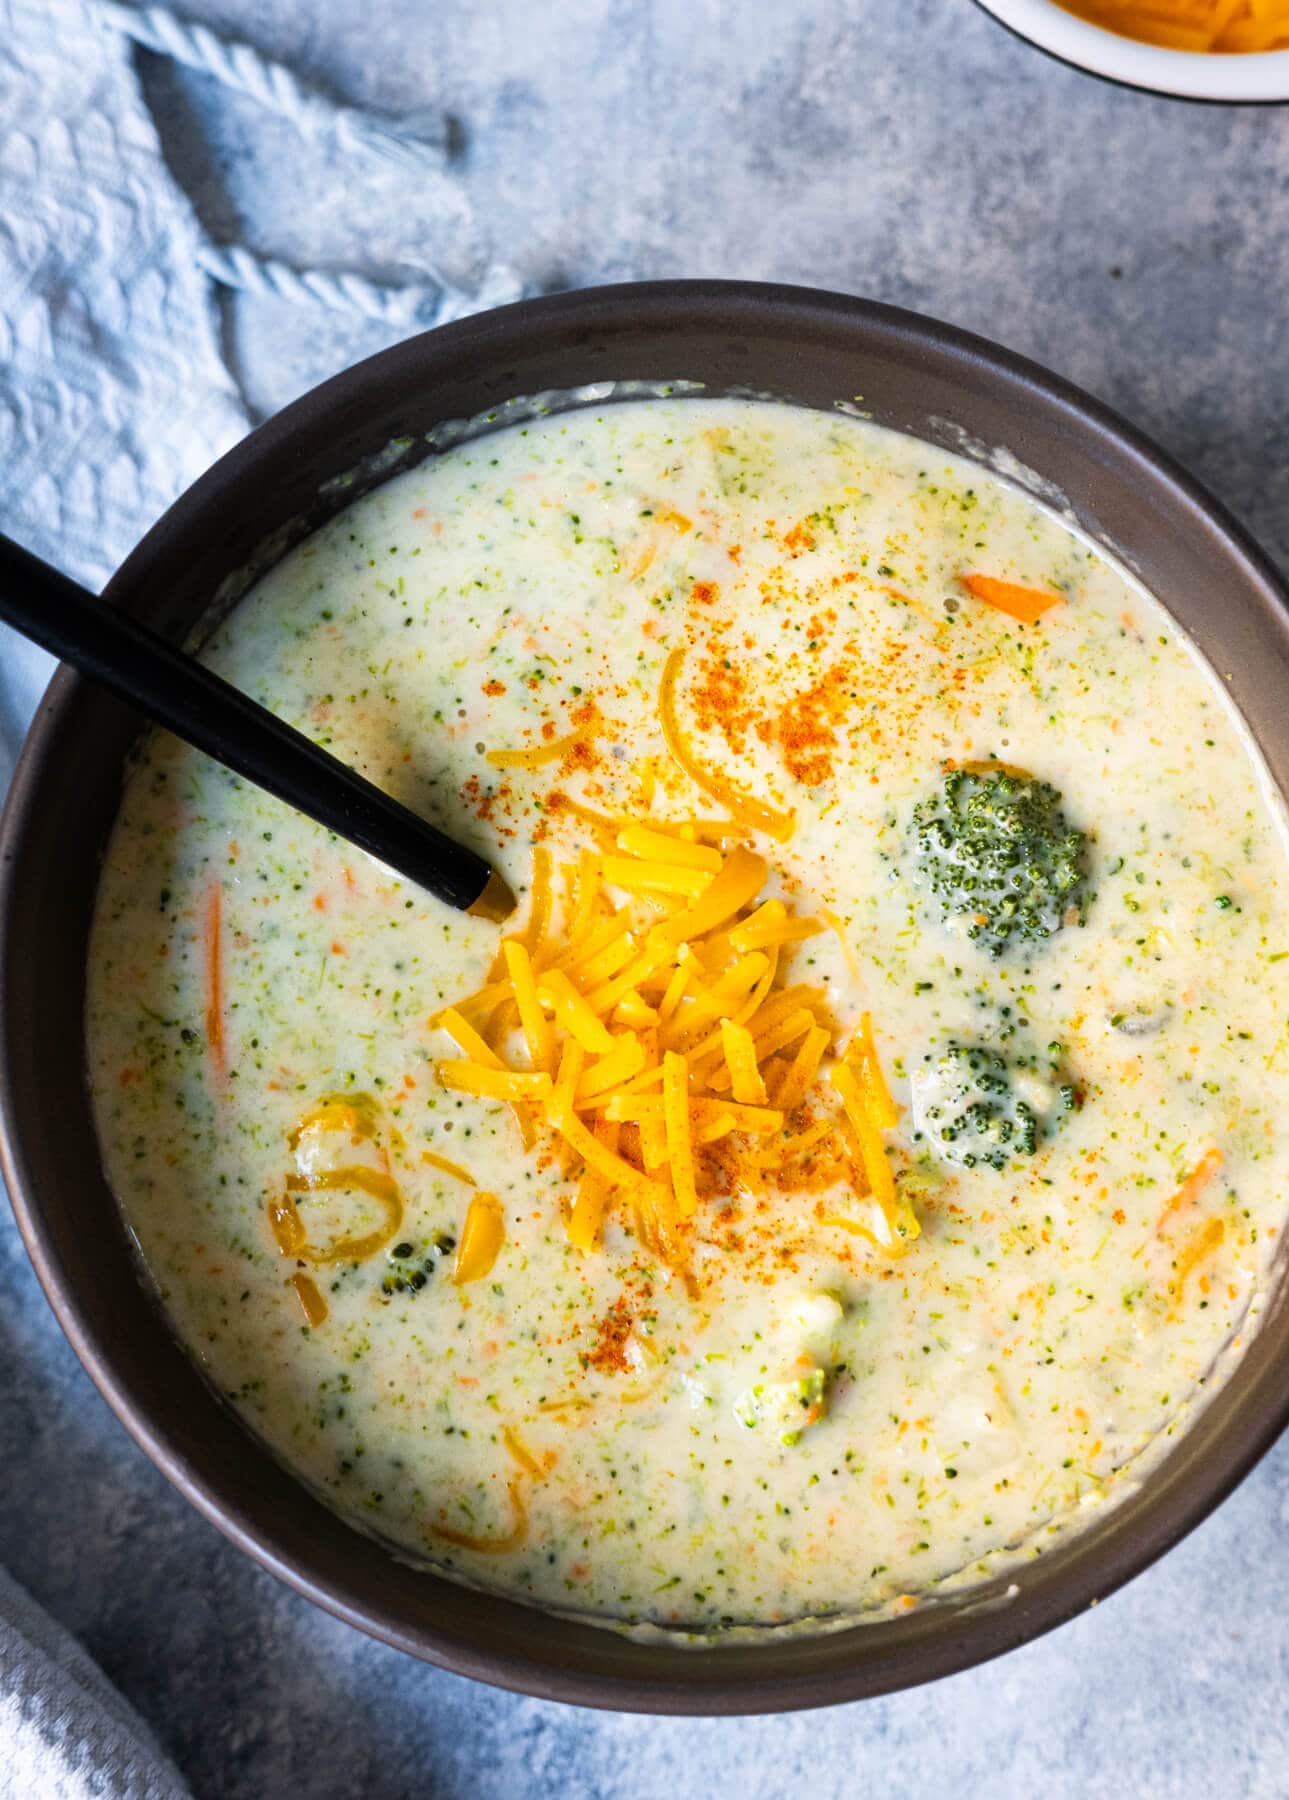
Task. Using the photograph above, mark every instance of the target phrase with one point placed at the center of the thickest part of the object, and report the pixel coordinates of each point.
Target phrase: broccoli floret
(974, 1107)
(407, 1275)
(999, 857)
(789, 1407)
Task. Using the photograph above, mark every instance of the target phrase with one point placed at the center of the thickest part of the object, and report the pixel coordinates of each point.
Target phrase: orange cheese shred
(1223, 26)
(746, 1081)
(863, 1054)
(673, 1060)
(751, 813)
(654, 844)
(312, 1303)
(482, 1236)
(467, 1038)
(554, 750)
(433, 1161)
(466, 1077)
(680, 1149)
(522, 1455)
(532, 1020)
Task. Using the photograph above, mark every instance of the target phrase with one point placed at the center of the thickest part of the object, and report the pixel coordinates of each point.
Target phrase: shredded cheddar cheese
(432, 1160)
(1230, 26)
(482, 1236)
(553, 751)
(662, 1046)
(314, 1306)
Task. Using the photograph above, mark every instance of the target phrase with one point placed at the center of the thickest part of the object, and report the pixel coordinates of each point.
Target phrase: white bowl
(1259, 75)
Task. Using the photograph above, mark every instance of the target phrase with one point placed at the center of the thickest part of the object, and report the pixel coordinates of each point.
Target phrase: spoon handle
(175, 690)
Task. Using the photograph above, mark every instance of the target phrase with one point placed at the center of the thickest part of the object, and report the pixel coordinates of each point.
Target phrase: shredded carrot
(1193, 1186)
(1025, 604)
(515, 1539)
(214, 948)
(1203, 1241)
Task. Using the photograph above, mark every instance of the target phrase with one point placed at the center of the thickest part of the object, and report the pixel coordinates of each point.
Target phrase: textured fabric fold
(113, 392)
(65, 1732)
(113, 397)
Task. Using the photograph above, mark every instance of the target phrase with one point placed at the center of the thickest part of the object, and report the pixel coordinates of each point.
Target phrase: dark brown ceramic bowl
(817, 349)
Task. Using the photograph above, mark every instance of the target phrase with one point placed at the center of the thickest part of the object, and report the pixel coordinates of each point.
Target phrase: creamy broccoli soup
(857, 1155)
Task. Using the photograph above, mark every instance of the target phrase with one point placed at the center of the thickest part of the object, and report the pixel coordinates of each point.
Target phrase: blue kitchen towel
(113, 397)
(113, 393)
(65, 1732)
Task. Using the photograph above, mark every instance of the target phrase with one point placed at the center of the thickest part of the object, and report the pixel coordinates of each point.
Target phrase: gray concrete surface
(905, 149)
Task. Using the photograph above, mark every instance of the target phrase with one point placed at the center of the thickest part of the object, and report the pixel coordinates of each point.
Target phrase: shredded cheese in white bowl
(1179, 61)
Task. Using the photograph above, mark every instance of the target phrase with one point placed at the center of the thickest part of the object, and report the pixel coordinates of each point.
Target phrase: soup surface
(1019, 943)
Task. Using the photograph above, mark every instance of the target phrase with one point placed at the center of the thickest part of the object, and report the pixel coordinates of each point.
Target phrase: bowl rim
(1174, 1506)
(1252, 78)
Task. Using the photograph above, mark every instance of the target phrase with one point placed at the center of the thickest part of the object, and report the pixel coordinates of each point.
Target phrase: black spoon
(175, 690)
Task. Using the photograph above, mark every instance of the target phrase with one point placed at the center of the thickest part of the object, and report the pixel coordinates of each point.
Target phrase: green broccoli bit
(999, 857)
(965, 1102)
(789, 1407)
(407, 1274)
